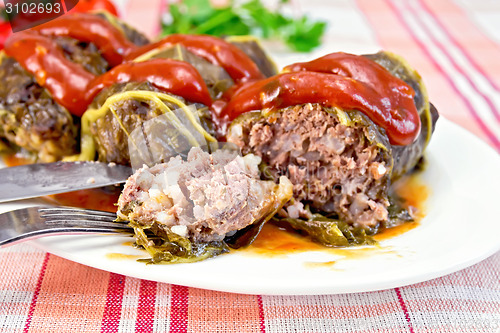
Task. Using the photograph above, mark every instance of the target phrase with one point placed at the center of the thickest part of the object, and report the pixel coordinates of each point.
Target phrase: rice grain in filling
(335, 165)
(203, 198)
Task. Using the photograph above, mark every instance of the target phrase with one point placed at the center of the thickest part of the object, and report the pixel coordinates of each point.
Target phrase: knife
(35, 180)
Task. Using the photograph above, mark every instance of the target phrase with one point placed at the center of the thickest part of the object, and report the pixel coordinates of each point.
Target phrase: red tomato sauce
(391, 109)
(177, 77)
(215, 50)
(110, 41)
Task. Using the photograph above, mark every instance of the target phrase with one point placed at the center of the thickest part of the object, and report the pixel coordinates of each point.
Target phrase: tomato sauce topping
(177, 77)
(336, 80)
(215, 50)
(392, 89)
(74, 88)
(41, 56)
(110, 41)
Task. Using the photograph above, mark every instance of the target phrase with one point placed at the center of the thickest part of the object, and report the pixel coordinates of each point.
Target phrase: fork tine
(69, 210)
(61, 213)
(62, 216)
(86, 223)
(77, 217)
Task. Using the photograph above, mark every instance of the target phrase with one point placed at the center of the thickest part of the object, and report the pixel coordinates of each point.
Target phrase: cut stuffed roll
(342, 129)
(406, 156)
(193, 209)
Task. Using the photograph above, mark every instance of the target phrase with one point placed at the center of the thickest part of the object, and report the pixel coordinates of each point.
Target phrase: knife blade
(35, 180)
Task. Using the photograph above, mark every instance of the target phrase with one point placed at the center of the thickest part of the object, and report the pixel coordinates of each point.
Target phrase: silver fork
(33, 222)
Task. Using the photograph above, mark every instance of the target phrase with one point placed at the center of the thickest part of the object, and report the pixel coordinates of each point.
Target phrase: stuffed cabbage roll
(133, 93)
(341, 128)
(44, 72)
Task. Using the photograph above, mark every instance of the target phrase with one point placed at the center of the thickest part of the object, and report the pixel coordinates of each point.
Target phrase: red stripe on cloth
(464, 52)
(261, 315)
(179, 309)
(405, 310)
(392, 36)
(213, 311)
(472, 37)
(36, 293)
(114, 297)
(424, 48)
(146, 307)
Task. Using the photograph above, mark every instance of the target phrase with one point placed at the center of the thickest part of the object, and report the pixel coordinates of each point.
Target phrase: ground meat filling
(333, 167)
(203, 198)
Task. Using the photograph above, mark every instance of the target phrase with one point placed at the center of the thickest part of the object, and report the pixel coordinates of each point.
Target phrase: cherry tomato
(84, 6)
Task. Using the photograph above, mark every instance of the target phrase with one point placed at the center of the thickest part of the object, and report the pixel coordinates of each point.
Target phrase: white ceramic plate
(461, 228)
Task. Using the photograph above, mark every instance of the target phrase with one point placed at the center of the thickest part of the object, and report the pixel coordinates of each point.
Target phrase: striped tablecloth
(455, 45)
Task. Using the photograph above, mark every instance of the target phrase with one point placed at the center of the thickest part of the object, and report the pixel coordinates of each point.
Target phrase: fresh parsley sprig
(251, 17)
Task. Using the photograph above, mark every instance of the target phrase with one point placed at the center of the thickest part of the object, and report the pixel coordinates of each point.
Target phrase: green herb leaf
(305, 35)
(219, 22)
(251, 17)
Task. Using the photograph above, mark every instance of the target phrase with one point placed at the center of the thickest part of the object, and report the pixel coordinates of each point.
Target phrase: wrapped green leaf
(166, 247)
(132, 34)
(407, 157)
(329, 231)
(215, 77)
(251, 46)
(124, 107)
